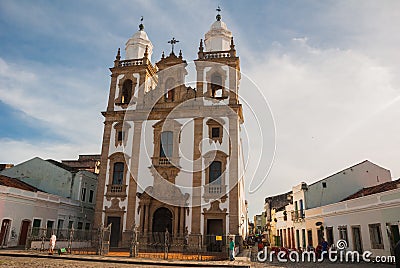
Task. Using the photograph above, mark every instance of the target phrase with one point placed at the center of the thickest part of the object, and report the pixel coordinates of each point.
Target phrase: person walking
(231, 249)
(53, 239)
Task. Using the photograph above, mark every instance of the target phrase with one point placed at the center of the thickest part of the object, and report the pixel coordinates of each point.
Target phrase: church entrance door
(115, 230)
(162, 220)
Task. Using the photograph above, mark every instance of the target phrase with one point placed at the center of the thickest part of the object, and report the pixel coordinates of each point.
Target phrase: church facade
(171, 153)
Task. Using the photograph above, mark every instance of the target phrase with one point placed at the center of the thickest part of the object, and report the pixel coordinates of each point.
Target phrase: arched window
(216, 85)
(166, 144)
(169, 89)
(126, 92)
(118, 173)
(215, 172)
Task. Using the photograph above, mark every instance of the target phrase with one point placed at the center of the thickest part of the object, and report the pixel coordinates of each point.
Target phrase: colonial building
(76, 188)
(356, 204)
(171, 152)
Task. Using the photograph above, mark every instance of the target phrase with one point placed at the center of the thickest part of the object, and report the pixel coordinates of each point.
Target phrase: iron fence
(163, 245)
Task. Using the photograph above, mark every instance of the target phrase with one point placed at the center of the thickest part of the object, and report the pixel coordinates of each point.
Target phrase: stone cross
(173, 41)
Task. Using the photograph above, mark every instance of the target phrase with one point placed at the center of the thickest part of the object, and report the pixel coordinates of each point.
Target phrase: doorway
(115, 230)
(357, 243)
(162, 220)
(329, 235)
(394, 236)
(5, 228)
(24, 232)
(215, 239)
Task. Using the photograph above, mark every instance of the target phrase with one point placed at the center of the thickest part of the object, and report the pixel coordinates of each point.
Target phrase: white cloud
(329, 107)
(66, 101)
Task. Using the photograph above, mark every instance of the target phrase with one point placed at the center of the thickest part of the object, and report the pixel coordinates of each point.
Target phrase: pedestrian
(231, 249)
(324, 245)
(53, 239)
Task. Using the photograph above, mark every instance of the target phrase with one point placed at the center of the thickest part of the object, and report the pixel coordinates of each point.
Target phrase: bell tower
(218, 76)
(130, 79)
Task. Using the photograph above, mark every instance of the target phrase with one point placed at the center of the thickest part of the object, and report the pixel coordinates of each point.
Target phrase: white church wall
(185, 176)
(146, 152)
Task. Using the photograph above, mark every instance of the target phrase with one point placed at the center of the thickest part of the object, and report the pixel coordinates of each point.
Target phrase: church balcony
(164, 161)
(212, 191)
(134, 62)
(116, 190)
(217, 54)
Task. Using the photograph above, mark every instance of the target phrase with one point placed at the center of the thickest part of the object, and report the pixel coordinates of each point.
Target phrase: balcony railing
(164, 161)
(216, 54)
(214, 190)
(116, 190)
(297, 215)
(134, 62)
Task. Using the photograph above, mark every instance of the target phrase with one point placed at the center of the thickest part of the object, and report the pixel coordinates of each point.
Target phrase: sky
(329, 71)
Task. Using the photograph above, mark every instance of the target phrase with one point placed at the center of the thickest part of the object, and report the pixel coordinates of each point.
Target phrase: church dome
(218, 38)
(136, 45)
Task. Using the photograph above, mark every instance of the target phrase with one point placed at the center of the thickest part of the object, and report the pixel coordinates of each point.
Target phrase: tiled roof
(387, 186)
(15, 183)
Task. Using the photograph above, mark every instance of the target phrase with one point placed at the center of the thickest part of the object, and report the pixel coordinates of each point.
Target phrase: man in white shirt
(53, 239)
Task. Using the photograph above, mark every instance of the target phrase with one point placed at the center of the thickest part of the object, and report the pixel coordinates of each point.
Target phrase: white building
(367, 220)
(297, 229)
(70, 193)
(24, 206)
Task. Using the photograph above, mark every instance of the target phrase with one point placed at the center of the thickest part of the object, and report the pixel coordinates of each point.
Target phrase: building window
(303, 238)
(80, 225)
(329, 235)
(83, 196)
(70, 225)
(118, 174)
(126, 92)
(301, 208)
(375, 234)
(296, 211)
(309, 237)
(169, 90)
(216, 86)
(120, 135)
(87, 226)
(91, 194)
(214, 130)
(36, 226)
(166, 144)
(215, 172)
(121, 132)
(343, 233)
(323, 184)
(60, 225)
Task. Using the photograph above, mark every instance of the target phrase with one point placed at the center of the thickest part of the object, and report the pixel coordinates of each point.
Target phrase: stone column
(146, 218)
(134, 166)
(197, 168)
(141, 223)
(233, 194)
(233, 99)
(182, 223)
(111, 97)
(176, 217)
(200, 79)
(102, 179)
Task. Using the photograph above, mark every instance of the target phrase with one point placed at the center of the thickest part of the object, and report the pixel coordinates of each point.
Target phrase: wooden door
(23, 232)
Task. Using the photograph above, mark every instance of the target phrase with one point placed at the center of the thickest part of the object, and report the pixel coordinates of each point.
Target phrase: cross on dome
(218, 17)
(173, 41)
(141, 26)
